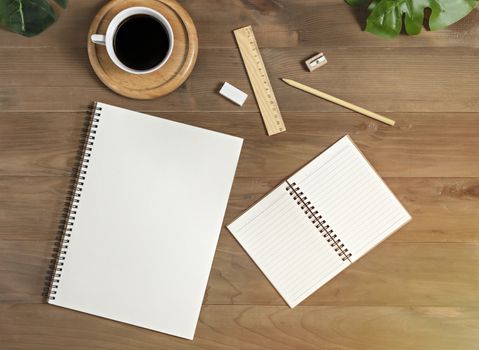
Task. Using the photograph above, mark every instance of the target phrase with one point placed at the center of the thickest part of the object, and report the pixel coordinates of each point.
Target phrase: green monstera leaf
(28, 17)
(387, 16)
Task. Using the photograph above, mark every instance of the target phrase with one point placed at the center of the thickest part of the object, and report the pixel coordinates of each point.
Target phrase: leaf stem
(20, 10)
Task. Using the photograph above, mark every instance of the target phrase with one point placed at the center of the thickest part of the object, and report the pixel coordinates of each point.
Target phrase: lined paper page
(286, 246)
(351, 197)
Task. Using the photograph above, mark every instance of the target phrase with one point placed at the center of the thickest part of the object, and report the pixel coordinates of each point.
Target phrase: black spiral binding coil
(71, 206)
(318, 221)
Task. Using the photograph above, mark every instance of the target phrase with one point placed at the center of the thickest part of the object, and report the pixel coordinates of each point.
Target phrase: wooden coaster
(160, 82)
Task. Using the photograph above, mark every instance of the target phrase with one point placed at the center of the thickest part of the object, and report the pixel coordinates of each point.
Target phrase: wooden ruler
(259, 80)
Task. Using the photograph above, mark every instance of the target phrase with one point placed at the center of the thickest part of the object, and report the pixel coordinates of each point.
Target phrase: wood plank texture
(417, 290)
(62, 81)
(329, 23)
(388, 276)
(444, 209)
(40, 144)
(45, 327)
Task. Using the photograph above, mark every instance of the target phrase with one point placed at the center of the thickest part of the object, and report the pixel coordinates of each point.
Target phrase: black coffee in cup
(141, 42)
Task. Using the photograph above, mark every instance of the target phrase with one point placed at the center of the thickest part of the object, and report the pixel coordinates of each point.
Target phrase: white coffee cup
(109, 36)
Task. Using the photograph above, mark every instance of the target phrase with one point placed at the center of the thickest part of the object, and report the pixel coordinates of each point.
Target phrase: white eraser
(233, 94)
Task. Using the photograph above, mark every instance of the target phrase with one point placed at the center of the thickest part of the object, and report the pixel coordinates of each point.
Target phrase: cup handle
(99, 39)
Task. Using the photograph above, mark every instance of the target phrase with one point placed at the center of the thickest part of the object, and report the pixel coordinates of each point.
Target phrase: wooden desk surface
(418, 290)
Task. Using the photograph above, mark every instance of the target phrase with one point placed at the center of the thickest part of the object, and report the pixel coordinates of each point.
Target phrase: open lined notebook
(144, 220)
(319, 221)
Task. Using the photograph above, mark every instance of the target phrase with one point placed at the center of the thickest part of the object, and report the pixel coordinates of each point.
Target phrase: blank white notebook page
(319, 221)
(148, 221)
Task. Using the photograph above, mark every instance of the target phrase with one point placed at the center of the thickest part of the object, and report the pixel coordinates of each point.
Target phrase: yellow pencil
(340, 102)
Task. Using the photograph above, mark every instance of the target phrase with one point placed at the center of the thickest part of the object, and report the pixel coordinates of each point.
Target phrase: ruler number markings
(259, 79)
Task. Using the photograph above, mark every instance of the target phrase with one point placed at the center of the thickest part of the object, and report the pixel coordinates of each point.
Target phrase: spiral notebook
(319, 221)
(144, 220)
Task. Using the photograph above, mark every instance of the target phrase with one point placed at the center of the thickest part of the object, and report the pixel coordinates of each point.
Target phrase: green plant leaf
(28, 17)
(62, 3)
(357, 2)
(387, 16)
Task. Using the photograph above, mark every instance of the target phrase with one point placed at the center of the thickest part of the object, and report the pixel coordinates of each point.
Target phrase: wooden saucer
(158, 83)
